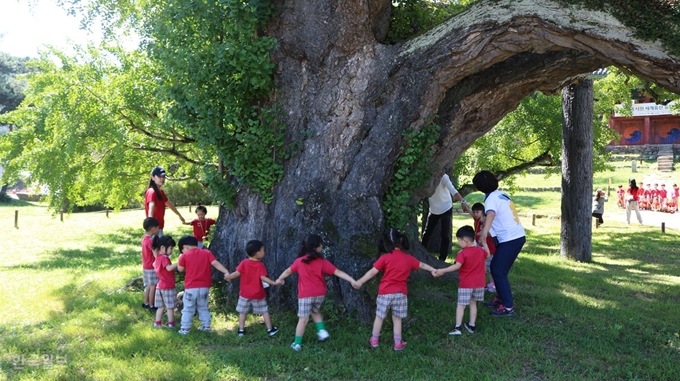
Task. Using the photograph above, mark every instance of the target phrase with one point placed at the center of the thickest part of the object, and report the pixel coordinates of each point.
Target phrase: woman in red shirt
(155, 199)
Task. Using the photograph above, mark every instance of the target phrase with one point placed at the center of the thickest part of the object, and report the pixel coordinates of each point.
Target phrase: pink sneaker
(373, 342)
(400, 346)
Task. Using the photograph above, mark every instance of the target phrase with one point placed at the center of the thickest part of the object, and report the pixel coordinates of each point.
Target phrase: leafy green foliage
(535, 128)
(92, 127)
(216, 75)
(411, 18)
(411, 171)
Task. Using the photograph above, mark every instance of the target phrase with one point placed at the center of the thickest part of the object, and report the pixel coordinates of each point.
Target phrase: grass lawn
(68, 315)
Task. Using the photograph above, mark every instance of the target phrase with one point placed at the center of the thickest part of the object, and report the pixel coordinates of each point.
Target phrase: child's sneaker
(456, 331)
(296, 347)
(373, 342)
(400, 346)
(323, 335)
(502, 311)
(469, 328)
(183, 331)
(145, 306)
(156, 325)
(273, 331)
(241, 332)
(491, 287)
(494, 303)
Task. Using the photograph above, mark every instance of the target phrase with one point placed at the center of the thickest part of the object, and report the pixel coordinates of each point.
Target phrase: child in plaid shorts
(148, 256)
(392, 292)
(311, 268)
(470, 264)
(253, 273)
(166, 294)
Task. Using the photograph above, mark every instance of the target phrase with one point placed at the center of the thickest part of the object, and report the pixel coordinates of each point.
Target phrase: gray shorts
(465, 295)
(150, 278)
(308, 305)
(259, 306)
(166, 298)
(397, 302)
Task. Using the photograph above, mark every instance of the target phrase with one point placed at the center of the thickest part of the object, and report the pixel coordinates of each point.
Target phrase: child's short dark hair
(478, 206)
(165, 241)
(149, 223)
(252, 247)
(466, 231)
(202, 209)
(187, 240)
(485, 182)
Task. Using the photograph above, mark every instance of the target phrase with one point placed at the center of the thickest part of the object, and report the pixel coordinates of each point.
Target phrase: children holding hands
(253, 272)
(311, 268)
(197, 281)
(166, 294)
(470, 264)
(392, 292)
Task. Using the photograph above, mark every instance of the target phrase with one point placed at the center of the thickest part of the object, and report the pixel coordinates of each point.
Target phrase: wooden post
(663, 227)
(189, 207)
(533, 219)
(609, 187)
(107, 212)
(16, 218)
(61, 216)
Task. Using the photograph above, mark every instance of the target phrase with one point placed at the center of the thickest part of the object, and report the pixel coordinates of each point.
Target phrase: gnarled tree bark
(347, 97)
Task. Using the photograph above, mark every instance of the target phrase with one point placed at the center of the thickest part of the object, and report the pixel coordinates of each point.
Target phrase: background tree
(92, 126)
(11, 85)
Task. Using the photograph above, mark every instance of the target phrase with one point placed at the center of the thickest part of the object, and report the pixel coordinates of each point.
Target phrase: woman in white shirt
(502, 216)
(441, 210)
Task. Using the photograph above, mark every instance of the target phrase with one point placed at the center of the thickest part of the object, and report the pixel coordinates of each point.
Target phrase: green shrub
(188, 192)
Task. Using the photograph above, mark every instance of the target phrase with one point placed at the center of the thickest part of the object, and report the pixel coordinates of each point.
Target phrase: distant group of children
(196, 262)
(654, 199)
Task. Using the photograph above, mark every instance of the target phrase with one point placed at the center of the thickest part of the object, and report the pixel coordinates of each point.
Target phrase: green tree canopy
(92, 126)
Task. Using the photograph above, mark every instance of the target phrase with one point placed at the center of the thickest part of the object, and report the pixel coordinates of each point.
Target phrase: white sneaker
(323, 335)
(296, 347)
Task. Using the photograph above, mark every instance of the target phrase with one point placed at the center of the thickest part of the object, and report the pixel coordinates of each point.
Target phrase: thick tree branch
(168, 151)
(131, 123)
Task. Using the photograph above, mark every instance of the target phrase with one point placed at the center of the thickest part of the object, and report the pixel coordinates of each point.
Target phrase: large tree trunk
(347, 98)
(577, 170)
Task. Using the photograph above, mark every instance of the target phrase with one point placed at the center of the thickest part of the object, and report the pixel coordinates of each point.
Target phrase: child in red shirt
(201, 225)
(166, 294)
(197, 281)
(392, 292)
(311, 268)
(149, 276)
(479, 217)
(621, 193)
(252, 290)
(470, 266)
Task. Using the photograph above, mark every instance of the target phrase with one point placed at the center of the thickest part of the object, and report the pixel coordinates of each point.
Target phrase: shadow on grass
(614, 318)
(119, 249)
